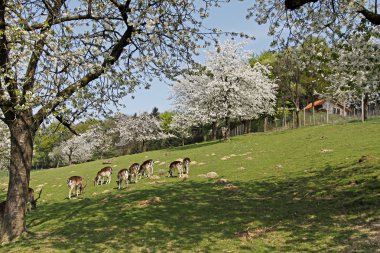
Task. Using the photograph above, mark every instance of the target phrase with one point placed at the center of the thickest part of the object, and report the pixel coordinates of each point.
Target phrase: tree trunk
(213, 131)
(22, 132)
(265, 123)
(227, 132)
(70, 158)
(365, 107)
(298, 121)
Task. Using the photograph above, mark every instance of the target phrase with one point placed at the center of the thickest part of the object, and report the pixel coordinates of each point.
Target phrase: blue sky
(229, 17)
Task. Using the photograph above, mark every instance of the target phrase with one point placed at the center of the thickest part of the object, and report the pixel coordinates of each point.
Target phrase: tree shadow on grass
(321, 211)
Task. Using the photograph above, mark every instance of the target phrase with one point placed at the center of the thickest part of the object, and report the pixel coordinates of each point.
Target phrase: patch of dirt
(244, 154)
(367, 158)
(249, 158)
(154, 177)
(326, 150)
(251, 234)
(162, 163)
(162, 172)
(278, 166)
(201, 164)
(212, 174)
(225, 158)
(146, 202)
(221, 181)
(241, 168)
(231, 187)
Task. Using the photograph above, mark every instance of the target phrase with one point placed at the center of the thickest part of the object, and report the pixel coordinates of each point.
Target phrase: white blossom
(141, 129)
(228, 88)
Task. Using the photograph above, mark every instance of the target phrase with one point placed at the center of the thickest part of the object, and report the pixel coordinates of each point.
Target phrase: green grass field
(294, 191)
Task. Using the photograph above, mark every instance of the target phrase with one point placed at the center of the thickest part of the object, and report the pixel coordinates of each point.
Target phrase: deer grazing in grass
(183, 167)
(75, 183)
(176, 165)
(134, 172)
(186, 165)
(122, 176)
(146, 168)
(106, 172)
(32, 202)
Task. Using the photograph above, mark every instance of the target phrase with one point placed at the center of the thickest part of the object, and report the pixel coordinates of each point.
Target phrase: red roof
(318, 102)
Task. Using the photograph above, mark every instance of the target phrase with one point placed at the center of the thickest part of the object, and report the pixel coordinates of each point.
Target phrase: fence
(305, 119)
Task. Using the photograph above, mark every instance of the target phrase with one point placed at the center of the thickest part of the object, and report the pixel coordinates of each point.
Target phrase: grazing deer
(75, 183)
(105, 172)
(134, 172)
(146, 168)
(186, 165)
(175, 165)
(31, 204)
(31, 200)
(122, 176)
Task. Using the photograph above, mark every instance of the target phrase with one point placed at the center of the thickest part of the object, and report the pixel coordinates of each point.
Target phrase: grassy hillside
(294, 191)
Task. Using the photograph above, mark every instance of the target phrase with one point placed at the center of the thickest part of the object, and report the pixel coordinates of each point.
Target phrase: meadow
(314, 189)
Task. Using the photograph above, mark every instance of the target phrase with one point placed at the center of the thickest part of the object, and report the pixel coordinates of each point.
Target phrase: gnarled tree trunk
(22, 131)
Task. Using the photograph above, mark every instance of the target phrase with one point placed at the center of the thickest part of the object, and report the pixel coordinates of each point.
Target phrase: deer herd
(133, 174)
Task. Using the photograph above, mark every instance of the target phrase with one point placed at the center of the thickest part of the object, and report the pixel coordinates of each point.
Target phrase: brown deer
(105, 172)
(122, 176)
(75, 183)
(186, 165)
(146, 168)
(175, 165)
(134, 172)
(31, 204)
(31, 200)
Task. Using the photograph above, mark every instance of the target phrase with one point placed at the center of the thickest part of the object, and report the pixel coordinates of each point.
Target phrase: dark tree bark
(214, 129)
(22, 129)
(296, 4)
(365, 107)
(227, 132)
(372, 17)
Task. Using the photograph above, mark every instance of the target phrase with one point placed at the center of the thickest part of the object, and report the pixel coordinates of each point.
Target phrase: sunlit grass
(293, 191)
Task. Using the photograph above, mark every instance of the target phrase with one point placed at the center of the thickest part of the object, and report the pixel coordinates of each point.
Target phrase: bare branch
(66, 124)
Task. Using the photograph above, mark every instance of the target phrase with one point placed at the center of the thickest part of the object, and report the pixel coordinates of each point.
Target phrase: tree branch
(370, 16)
(68, 18)
(84, 81)
(38, 48)
(66, 124)
(296, 4)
